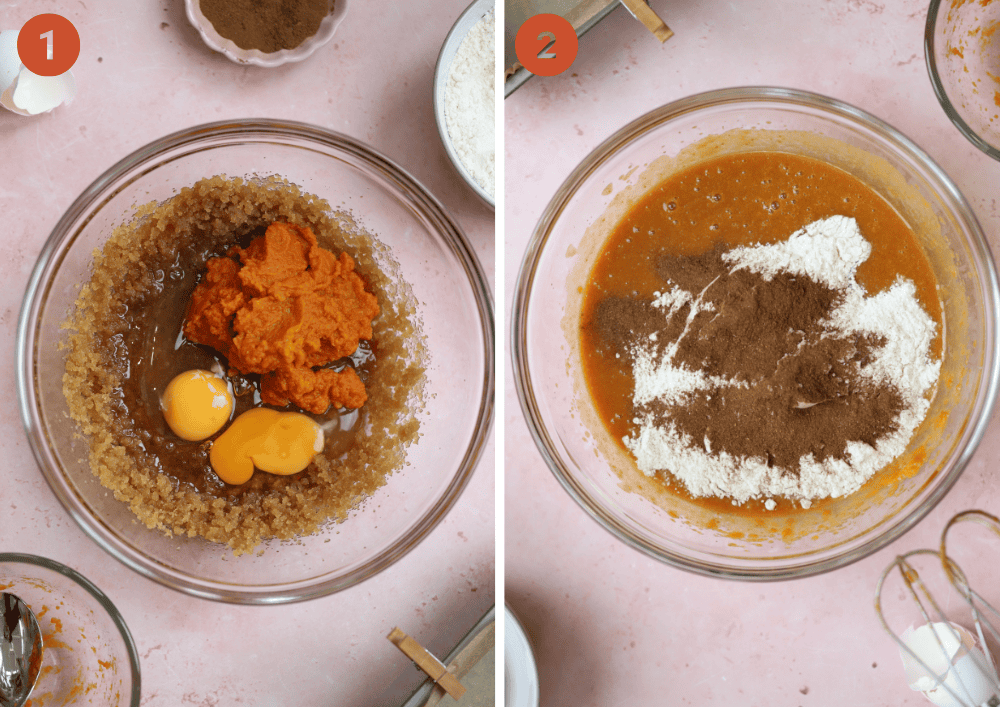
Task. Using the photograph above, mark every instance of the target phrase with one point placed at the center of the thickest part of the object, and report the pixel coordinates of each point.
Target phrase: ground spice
(266, 25)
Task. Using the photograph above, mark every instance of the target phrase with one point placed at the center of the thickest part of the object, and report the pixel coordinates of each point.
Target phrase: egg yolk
(276, 442)
(196, 404)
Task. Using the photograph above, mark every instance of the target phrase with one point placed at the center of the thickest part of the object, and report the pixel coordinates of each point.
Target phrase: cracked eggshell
(10, 66)
(27, 93)
(968, 680)
(10, 62)
(955, 640)
(960, 664)
(39, 94)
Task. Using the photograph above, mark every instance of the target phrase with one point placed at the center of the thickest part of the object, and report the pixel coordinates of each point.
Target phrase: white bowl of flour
(464, 89)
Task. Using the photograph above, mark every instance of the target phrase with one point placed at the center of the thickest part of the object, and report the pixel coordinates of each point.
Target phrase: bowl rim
(102, 599)
(133, 166)
(476, 7)
(522, 672)
(228, 48)
(939, 90)
(619, 139)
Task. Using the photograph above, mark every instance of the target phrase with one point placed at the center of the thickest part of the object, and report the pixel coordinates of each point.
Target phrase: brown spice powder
(804, 394)
(266, 25)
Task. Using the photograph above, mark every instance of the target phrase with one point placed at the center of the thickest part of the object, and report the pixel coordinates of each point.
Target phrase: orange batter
(288, 306)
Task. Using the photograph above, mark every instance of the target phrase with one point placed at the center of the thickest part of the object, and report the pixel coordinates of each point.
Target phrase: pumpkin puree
(289, 305)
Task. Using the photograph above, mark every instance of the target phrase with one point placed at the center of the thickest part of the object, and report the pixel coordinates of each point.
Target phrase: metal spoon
(20, 650)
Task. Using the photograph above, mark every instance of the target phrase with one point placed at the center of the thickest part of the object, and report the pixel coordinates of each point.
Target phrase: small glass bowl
(545, 320)
(88, 655)
(962, 50)
(455, 305)
(228, 48)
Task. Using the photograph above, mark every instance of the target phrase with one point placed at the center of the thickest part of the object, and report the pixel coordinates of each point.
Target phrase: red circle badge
(546, 44)
(48, 45)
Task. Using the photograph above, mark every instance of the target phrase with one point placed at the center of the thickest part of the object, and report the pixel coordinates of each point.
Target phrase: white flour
(828, 251)
(469, 107)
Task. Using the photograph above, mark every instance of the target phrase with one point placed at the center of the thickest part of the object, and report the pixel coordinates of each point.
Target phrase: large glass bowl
(102, 669)
(962, 50)
(607, 484)
(454, 303)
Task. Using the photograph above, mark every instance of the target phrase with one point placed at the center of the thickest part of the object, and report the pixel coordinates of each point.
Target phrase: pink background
(610, 625)
(143, 73)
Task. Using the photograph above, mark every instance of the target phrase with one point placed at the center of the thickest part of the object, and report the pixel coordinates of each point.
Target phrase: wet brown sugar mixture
(128, 342)
(677, 235)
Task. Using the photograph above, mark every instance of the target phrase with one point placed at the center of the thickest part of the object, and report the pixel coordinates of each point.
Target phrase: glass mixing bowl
(103, 670)
(454, 303)
(962, 50)
(605, 481)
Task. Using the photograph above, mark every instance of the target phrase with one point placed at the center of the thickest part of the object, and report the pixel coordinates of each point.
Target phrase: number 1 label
(47, 36)
(48, 45)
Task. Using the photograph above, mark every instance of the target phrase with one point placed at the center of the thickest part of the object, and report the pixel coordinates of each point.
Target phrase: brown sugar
(290, 307)
(130, 314)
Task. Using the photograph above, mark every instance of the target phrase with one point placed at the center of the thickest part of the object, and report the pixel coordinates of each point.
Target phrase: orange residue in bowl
(49, 641)
(59, 689)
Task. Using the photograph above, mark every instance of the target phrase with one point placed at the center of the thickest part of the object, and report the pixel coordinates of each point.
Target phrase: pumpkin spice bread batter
(731, 332)
(303, 308)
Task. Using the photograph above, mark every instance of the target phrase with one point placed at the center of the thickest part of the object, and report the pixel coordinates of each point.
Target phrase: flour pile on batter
(858, 363)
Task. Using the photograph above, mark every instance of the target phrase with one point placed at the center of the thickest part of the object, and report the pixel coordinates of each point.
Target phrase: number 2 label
(546, 44)
(544, 54)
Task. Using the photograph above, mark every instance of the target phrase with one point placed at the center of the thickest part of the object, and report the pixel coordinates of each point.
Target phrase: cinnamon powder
(266, 25)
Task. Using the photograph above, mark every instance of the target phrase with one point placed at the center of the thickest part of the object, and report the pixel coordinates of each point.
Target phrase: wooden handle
(644, 13)
(427, 662)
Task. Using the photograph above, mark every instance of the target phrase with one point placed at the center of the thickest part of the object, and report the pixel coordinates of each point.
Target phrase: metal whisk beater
(963, 674)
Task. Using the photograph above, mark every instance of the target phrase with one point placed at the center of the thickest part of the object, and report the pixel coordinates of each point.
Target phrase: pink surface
(143, 73)
(610, 625)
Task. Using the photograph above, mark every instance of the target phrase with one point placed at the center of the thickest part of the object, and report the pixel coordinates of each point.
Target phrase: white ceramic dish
(520, 675)
(466, 21)
(227, 47)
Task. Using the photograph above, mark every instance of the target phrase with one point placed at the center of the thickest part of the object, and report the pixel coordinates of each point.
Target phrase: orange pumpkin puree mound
(288, 305)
